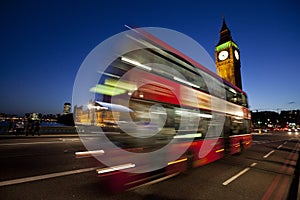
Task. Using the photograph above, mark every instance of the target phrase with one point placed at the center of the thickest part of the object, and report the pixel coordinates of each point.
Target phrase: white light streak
(185, 82)
(89, 153)
(136, 63)
(205, 116)
(188, 113)
(232, 90)
(108, 74)
(191, 135)
(115, 168)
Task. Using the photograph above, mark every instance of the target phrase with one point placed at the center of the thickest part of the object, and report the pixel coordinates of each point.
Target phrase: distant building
(67, 108)
(95, 114)
(266, 119)
(271, 119)
(290, 117)
(33, 116)
(66, 117)
(227, 55)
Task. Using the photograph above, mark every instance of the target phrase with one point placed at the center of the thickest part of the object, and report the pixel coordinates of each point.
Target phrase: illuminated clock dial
(223, 55)
(236, 54)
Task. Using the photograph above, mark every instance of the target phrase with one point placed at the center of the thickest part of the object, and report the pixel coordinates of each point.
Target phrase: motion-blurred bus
(155, 94)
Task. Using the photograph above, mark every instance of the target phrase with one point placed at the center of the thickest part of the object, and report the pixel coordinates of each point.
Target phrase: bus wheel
(189, 161)
(241, 148)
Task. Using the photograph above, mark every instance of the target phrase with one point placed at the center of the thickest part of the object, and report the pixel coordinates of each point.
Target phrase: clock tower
(227, 55)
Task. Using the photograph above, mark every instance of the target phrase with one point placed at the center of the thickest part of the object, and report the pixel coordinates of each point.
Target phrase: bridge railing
(44, 130)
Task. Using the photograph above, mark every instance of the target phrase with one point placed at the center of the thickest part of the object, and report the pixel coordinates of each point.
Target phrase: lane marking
(239, 174)
(154, 181)
(72, 140)
(279, 146)
(46, 176)
(268, 154)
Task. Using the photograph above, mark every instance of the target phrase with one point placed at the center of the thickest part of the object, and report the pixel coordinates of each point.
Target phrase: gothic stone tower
(227, 57)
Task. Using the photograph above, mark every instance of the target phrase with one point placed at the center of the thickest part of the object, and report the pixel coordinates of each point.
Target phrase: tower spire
(225, 34)
(224, 26)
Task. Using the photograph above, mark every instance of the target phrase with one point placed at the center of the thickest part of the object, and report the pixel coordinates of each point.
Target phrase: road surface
(46, 168)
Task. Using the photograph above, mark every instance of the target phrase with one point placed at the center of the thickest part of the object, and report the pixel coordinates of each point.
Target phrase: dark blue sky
(43, 44)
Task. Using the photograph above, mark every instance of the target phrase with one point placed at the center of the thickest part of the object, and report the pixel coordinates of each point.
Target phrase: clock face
(223, 55)
(236, 54)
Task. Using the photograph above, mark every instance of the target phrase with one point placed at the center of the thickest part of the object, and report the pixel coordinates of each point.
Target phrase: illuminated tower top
(227, 55)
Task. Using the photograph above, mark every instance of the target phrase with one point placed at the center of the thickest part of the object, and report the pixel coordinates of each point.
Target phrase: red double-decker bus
(154, 96)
